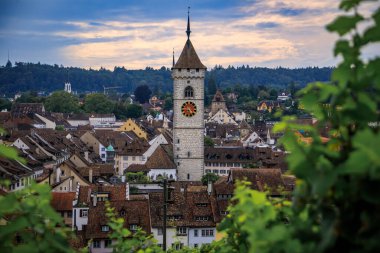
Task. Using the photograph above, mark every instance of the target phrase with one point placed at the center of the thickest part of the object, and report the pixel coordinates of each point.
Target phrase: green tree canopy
(98, 103)
(212, 177)
(142, 93)
(61, 101)
(134, 111)
(5, 104)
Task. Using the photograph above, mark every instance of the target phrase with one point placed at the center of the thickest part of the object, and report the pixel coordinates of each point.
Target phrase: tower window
(188, 70)
(177, 140)
(188, 154)
(189, 92)
(179, 70)
(197, 70)
(188, 81)
(188, 176)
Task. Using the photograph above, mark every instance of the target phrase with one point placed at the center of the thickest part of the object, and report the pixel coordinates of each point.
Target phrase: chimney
(58, 174)
(127, 191)
(94, 199)
(70, 184)
(209, 187)
(90, 175)
(86, 156)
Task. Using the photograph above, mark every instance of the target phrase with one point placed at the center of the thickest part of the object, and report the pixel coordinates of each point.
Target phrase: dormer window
(189, 92)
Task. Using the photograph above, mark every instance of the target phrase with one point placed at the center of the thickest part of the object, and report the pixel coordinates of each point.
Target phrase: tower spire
(188, 23)
(173, 57)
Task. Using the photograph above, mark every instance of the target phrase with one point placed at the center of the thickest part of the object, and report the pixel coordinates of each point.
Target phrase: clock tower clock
(188, 104)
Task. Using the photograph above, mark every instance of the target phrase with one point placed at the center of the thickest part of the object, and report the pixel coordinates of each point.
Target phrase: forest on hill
(22, 77)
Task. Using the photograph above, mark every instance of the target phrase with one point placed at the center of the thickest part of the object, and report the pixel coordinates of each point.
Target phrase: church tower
(188, 75)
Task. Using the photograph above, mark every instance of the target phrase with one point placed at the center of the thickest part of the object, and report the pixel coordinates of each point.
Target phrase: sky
(140, 33)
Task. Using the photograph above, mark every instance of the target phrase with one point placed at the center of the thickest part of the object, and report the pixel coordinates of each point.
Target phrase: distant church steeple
(68, 84)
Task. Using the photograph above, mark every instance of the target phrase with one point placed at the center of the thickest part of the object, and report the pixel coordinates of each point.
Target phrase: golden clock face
(189, 109)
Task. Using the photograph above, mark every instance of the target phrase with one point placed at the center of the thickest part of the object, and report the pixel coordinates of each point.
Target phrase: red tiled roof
(134, 212)
(62, 201)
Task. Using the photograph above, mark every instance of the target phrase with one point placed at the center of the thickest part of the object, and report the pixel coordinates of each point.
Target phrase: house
(102, 120)
(160, 164)
(240, 116)
(269, 180)
(131, 153)
(66, 178)
(190, 216)
(89, 213)
(20, 175)
(268, 105)
(220, 160)
(222, 117)
(131, 125)
(62, 202)
(76, 120)
(20, 110)
(252, 140)
(283, 97)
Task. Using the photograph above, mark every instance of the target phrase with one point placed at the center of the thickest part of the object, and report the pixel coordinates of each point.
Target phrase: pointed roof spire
(188, 23)
(188, 58)
(173, 57)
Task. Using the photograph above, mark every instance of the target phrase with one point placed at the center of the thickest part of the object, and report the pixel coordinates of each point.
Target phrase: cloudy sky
(140, 33)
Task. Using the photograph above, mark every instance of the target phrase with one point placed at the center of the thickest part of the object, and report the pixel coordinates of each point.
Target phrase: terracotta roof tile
(62, 201)
(160, 160)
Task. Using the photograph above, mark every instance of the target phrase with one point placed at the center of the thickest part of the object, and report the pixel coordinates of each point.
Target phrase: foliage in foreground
(31, 224)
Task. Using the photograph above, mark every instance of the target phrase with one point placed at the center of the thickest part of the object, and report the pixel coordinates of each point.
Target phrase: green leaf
(349, 4)
(344, 24)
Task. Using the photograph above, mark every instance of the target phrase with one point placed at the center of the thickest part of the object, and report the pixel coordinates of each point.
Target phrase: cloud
(268, 33)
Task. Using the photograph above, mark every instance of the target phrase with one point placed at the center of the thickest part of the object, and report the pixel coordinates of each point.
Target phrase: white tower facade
(188, 105)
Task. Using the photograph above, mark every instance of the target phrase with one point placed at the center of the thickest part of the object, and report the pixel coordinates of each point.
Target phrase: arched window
(189, 92)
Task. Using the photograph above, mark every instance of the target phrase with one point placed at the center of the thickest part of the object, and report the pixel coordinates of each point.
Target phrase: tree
(142, 93)
(209, 177)
(98, 103)
(211, 85)
(61, 101)
(29, 97)
(263, 95)
(334, 205)
(209, 142)
(168, 104)
(120, 110)
(273, 93)
(5, 104)
(134, 111)
(29, 223)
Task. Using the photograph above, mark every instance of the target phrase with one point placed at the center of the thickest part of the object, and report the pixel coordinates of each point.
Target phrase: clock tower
(188, 102)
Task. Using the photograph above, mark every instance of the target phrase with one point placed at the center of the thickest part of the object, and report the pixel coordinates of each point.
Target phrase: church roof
(189, 58)
(218, 97)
